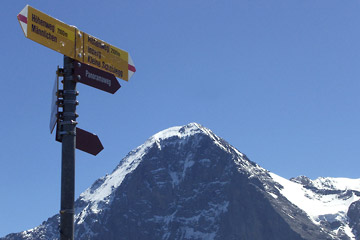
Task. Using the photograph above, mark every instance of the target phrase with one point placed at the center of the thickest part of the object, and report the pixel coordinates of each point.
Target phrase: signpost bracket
(60, 72)
(71, 133)
(71, 122)
(71, 92)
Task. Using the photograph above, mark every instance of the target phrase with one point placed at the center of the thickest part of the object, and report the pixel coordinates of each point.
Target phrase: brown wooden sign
(86, 141)
(95, 77)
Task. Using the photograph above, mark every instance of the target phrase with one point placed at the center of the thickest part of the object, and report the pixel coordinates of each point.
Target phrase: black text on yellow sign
(74, 43)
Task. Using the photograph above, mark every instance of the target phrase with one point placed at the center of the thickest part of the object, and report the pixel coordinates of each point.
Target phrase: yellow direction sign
(104, 56)
(74, 43)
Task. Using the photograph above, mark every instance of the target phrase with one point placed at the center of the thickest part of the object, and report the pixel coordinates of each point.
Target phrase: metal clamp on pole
(60, 93)
(72, 122)
(64, 211)
(71, 133)
(71, 102)
(69, 78)
(70, 114)
(67, 92)
(60, 103)
(60, 115)
(60, 72)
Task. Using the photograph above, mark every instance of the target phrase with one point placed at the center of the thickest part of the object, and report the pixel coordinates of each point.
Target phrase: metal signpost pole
(68, 135)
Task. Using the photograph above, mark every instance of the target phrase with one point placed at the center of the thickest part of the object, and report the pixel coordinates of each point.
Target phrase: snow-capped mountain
(325, 200)
(187, 183)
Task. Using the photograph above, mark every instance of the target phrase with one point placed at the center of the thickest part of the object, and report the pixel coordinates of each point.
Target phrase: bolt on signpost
(87, 60)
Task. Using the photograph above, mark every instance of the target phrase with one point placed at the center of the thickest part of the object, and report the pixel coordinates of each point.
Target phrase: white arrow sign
(54, 107)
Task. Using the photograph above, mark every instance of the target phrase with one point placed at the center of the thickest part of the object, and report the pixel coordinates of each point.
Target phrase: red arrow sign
(95, 77)
(86, 141)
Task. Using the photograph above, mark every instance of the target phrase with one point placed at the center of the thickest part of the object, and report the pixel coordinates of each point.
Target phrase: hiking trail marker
(95, 77)
(87, 60)
(72, 42)
(85, 141)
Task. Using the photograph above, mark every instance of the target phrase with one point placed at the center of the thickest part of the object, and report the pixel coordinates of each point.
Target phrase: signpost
(87, 60)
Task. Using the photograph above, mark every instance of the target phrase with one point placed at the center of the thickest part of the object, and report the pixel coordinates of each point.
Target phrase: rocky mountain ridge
(187, 183)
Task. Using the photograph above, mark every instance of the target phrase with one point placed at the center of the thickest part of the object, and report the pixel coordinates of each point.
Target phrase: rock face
(354, 218)
(187, 183)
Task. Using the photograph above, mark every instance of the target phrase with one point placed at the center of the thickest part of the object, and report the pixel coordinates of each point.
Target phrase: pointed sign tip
(23, 19)
(88, 142)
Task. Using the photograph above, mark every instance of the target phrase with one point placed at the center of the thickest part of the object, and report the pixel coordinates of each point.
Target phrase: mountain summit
(187, 183)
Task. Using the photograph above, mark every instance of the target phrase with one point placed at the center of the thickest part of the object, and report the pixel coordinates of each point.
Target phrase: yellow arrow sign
(74, 43)
(102, 55)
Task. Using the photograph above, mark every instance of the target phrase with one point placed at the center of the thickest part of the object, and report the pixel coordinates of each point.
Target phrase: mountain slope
(326, 200)
(187, 183)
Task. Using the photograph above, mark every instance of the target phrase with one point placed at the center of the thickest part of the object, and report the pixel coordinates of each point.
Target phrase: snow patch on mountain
(337, 183)
(96, 194)
(318, 206)
(177, 131)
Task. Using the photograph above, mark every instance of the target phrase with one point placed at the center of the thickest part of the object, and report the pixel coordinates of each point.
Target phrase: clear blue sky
(277, 79)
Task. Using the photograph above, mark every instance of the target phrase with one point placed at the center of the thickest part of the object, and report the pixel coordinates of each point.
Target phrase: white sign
(54, 108)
